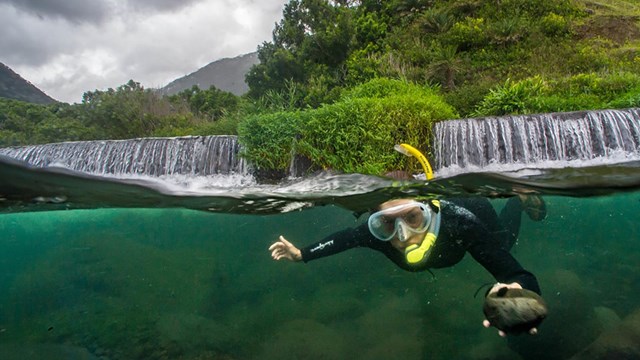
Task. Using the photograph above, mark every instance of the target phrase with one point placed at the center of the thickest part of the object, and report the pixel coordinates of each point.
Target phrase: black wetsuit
(467, 225)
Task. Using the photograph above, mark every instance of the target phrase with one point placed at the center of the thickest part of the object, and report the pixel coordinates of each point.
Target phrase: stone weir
(535, 139)
(192, 155)
(527, 140)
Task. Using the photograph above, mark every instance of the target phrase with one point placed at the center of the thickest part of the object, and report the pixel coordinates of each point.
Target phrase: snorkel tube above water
(410, 151)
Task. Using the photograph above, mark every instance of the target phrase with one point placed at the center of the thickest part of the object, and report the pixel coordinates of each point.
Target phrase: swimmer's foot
(534, 206)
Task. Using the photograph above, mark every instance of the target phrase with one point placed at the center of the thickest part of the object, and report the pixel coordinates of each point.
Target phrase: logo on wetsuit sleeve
(322, 246)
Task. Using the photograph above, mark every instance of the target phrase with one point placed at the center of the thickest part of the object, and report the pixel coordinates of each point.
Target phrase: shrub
(269, 139)
(362, 66)
(539, 8)
(355, 134)
(626, 100)
(466, 98)
(512, 98)
(384, 87)
(507, 31)
(560, 102)
(606, 87)
(468, 34)
(436, 21)
(554, 25)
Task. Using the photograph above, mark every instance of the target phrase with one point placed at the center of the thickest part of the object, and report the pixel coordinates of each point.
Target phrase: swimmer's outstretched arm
(283, 249)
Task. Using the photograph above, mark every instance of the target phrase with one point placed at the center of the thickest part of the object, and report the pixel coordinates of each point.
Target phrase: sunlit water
(179, 269)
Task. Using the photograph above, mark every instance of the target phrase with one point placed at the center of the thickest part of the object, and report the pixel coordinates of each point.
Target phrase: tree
(312, 41)
(211, 104)
(444, 66)
(126, 112)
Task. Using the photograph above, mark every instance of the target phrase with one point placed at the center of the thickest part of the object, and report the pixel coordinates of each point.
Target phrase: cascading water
(538, 140)
(494, 144)
(192, 155)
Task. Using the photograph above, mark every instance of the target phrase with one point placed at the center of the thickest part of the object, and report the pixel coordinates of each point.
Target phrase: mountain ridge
(15, 87)
(225, 74)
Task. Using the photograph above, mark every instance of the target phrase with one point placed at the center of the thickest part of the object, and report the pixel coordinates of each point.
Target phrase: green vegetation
(129, 111)
(25, 123)
(349, 133)
(453, 58)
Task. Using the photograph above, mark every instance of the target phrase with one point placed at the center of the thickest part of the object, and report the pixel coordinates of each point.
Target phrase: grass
(614, 7)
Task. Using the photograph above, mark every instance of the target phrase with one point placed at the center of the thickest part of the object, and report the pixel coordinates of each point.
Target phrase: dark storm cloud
(160, 5)
(93, 11)
(29, 41)
(75, 11)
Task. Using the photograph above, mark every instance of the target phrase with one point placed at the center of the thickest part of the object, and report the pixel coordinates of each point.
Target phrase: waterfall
(535, 139)
(192, 155)
(468, 144)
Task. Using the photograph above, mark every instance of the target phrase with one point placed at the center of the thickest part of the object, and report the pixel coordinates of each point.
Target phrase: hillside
(13, 86)
(225, 74)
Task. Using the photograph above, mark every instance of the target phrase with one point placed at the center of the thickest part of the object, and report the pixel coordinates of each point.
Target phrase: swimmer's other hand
(513, 310)
(283, 249)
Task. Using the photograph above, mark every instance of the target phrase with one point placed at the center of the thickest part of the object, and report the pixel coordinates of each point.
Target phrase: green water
(184, 284)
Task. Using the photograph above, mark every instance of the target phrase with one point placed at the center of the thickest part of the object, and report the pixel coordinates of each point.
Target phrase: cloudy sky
(67, 47)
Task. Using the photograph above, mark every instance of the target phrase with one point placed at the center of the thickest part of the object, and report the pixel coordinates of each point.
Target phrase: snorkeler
(419, 235)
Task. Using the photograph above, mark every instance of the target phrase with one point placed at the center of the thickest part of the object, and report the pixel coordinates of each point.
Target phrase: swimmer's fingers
(286, 242)
(487, 324)
(283, 249)
(278, 250)
(277, 254)
(281, 253)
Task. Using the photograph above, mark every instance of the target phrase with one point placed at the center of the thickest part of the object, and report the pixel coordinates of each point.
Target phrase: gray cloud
(94, 11)
(153, 42)
(160, 5)
(74, 11)
(32, 41)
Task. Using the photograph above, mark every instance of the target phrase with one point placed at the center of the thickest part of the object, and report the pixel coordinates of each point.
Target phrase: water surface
(144, 268)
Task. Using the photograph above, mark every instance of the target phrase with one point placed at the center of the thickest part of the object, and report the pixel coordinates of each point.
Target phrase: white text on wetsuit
(322, 246)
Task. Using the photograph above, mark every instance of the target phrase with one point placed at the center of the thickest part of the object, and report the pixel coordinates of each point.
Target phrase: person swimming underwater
(421, 235)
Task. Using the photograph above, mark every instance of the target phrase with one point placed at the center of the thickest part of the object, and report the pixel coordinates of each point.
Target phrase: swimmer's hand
(283, 249)
(513, 310)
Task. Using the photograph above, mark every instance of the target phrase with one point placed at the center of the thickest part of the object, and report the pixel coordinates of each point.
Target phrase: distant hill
(225, 74)
(13, 86)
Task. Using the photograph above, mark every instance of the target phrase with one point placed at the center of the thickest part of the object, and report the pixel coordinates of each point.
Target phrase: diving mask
(412, 217)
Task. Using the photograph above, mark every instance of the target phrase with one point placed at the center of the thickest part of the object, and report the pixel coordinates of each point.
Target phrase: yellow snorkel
(409, 150)
(415, 254)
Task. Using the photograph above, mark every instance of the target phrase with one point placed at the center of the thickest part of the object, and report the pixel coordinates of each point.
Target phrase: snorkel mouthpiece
(417, 253)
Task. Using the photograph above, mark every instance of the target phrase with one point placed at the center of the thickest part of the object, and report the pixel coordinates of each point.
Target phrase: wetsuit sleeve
(488, 251)
(337, 242)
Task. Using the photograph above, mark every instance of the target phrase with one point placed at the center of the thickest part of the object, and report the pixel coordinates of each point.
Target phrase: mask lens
(385, 223)
(382, 227)
(414, 218)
